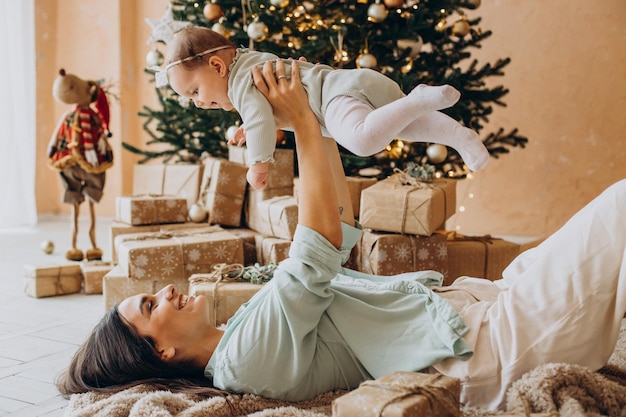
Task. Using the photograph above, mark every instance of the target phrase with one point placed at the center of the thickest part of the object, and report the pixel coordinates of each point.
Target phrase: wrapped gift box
(281, 172)
(391, 253)
(248, 239)
(93, 274)
(271, 249)
(276, 216)
(181, 180)
(52, 279)
(356, 185)
(402, 394)
(117, 286)
(118, 229)
(480, 256)
(418, 209)
(140, 210)
(224, 191)
(225, 297)
(176, 255)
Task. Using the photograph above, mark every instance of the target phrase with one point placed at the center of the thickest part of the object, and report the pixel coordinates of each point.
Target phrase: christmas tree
(411, 41)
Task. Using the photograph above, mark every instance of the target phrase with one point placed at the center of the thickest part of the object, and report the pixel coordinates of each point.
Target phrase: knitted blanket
(562, 389)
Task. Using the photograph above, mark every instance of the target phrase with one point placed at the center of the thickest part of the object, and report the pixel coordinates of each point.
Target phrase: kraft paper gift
(280, 173)
(141, 210)
(51, 279)
(276, 216)
(419, 209)
(402, 394)
(382, 253)
(356, 185)
(224, 297)
(224, 191)
(93, 274)
(176, 255)
(248, 238)
(271, 249)
(117, 286)
(180, 180)
(118, 228)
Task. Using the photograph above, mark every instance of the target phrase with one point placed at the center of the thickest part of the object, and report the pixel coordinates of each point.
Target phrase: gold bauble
(377, 12)
(366, 60)
(258, 31)
(213, 11)
(394, 4)
(221, 29)
(281, 4)
(437, 153)
(47, 246)
(460, 28)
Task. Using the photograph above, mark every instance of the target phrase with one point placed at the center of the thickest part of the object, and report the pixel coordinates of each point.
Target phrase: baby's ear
(217, 63)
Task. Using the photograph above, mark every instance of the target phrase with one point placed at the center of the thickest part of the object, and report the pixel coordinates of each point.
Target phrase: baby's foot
(472, 150)
(436, 97)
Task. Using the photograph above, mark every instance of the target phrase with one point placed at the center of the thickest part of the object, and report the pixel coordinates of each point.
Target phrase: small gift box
(419, 208)
(93, 274)
(480, 256)
(48, 280)
(224, 191)
(280, 173)
(139, 210)
(277, 217)
(402, 394)
(117, 286)
(176, 255)
(390, 253)
(271, 249)
(180, 180)
(356, 185)
(224, 296)
(118, 228)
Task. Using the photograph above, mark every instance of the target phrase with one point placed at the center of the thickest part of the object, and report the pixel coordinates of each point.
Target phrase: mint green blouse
(317, 327)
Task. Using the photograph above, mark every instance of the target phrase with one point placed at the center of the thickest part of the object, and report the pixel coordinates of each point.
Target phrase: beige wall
(567, 95)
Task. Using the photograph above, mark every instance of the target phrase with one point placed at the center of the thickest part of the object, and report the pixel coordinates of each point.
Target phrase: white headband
(160, 74)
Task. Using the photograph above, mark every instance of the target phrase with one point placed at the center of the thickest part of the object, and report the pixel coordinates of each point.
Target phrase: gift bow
(434, 394)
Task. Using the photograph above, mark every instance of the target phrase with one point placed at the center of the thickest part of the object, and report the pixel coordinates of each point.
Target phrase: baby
(361, 109)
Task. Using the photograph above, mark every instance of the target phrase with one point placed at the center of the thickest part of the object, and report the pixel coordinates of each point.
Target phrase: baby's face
(204, 85)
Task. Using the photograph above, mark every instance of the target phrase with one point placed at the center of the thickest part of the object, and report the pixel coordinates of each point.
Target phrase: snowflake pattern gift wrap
(224, 189)
(180, 180)
(390, 253)
(277, 217)
(271, 249)
(420, 209)
(177, 255)
(281, 172)
(402, 394)
(140, 210)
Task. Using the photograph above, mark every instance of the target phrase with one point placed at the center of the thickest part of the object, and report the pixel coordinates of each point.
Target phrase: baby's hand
(239, 137)
(257, 175)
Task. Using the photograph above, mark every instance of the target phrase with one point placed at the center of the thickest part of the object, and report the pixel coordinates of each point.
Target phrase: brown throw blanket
(569, 390)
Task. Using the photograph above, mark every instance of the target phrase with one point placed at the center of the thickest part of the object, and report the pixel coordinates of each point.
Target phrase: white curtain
(17, 113)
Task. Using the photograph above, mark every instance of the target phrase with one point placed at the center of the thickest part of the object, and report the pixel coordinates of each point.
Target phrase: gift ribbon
(485, 240)
(434, 394)
(155, 203)
(405, 180)
(58, 283)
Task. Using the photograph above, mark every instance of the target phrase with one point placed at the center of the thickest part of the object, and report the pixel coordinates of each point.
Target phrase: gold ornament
(441, 25)
(461, 27)
(197, 213)
(221, 29)
(258, 31)
(407, 67)
(213, 11)
(472, 4)
(377, 12)
(437, 153)
(415, 46)
(281, 4)
(366, 60)
(393, 4)
(47, 246)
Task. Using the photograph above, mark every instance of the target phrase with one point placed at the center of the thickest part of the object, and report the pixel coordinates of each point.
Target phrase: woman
(317, 327)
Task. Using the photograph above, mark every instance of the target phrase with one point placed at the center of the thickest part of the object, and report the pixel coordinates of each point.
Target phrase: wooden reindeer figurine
(79, 149)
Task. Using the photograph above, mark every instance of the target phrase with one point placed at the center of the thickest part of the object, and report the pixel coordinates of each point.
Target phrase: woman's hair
(115, 357)
(191, 41)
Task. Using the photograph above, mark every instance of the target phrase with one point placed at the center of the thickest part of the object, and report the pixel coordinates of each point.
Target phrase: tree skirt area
(563, 389)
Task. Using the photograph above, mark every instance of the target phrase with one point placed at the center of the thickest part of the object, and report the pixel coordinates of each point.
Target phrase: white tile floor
(38, 336)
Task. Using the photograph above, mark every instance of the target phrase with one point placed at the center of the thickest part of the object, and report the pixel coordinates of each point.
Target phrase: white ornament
(221, 29)
(230, 132)
(279, 3)
(257, 31)
(415, 45)
(437, 153)
(197, 213)
(154, 58)
(377, 12)
(366, 60)
(47, 246)
(164, 29)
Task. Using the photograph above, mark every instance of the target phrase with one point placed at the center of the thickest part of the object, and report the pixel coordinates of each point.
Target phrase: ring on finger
(280, 77)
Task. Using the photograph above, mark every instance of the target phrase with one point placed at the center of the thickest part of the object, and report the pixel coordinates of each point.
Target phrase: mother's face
(170, 318)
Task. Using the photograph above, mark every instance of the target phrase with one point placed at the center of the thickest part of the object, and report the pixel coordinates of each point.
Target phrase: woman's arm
(318, 206)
